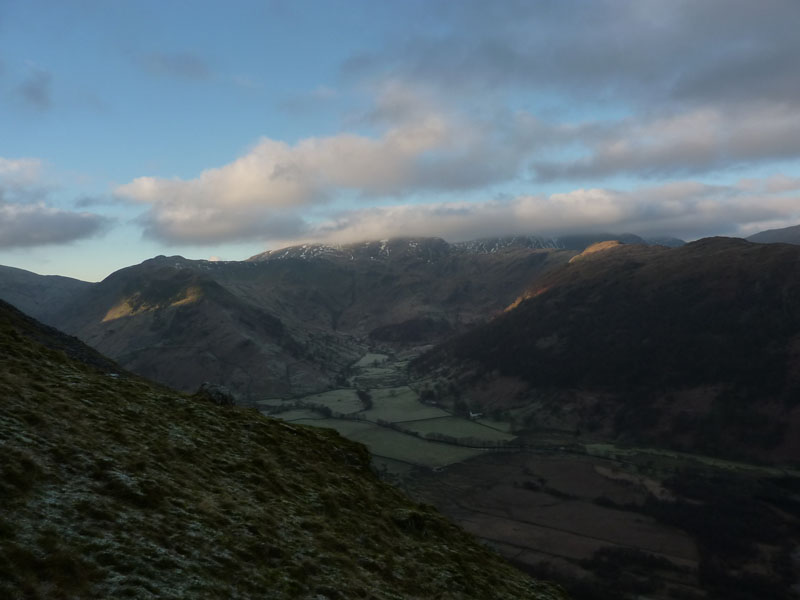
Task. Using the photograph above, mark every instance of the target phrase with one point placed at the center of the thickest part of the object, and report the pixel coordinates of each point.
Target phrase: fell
(113, 487)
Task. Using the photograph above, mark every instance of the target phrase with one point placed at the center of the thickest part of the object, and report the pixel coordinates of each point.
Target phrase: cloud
(423, 148)
(22, 181)
(701, 140)
(703, 86)
(87, 201)
(211, 225)
(35, 91)
(638, 51)
(429, 152)
(235, 200)
(20, 172)
(24, 225)
(686, 209)
(26, 220)
(179, 65)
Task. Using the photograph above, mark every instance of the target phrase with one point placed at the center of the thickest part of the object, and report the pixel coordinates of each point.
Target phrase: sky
(217, 130)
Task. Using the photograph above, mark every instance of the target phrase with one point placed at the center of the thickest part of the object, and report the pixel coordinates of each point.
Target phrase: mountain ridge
(785, 235)
(434, 247)
(632, 323)
(324, 312)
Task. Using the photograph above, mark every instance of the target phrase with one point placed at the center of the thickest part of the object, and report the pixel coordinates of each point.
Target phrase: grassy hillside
(112, 487)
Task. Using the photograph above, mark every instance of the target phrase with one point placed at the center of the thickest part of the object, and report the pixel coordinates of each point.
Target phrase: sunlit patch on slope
(136, 304)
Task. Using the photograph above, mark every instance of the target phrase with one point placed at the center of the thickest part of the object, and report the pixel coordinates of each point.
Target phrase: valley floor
(603, 520)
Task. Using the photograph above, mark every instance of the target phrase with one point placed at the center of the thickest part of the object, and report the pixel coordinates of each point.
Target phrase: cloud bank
(687, 209)
(696, 141)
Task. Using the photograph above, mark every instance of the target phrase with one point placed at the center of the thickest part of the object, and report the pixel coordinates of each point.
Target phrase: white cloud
(426, 144)
(20, 172)
(419, 149)
(684, 209)
(275, 174)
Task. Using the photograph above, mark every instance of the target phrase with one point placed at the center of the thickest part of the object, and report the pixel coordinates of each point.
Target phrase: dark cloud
(690, 142)
(704, 86)
(180, 65)
(89, 201)
(755, 75)
(36, 91)
(632, 50)
(25, 217)
(25, 225)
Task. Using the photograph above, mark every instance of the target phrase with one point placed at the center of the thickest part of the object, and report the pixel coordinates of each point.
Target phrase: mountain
(39, 295)
(433, 248)
(170, 320)
(113, 487)
(693, 347)
(653, 393)
(290, 322)
(787, 235)
(670, 242)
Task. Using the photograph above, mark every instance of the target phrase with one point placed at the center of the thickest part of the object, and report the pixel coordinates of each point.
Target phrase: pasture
(343, 401)
(458, 427)
(395, 445)
(399, 404)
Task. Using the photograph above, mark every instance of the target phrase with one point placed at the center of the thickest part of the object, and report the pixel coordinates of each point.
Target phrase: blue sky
(210, 129)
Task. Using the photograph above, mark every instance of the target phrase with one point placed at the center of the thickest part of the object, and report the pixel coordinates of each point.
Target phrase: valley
(620, 418)
(602, 518)
(385, 413)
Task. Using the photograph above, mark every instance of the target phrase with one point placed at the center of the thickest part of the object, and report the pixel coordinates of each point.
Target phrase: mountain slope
(111, 487)
(292, 323)
(174, 323)
(786, 235)
(697, 346)
(40, 296)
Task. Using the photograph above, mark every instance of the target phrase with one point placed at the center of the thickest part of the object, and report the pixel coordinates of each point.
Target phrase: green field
(395, 445)
(393, 450)
(376, 377)
(399, 404)
(343, 401)
(457, 427)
